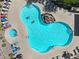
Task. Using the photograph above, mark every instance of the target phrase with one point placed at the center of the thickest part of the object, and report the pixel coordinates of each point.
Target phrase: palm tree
(11, 55)
(4, 45)
(1, 26)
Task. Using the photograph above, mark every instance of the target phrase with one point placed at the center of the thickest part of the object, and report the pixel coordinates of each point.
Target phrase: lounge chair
(8, 0)
(7, 7)
(7, 3)
(53, 58)
(10, 3)
(75, 53)
(77, 49)
(66, 55)
(75, 58)
(57, 57)
(2, 12)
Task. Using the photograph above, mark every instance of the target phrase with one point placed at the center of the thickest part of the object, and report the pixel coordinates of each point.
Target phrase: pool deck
(28, 53)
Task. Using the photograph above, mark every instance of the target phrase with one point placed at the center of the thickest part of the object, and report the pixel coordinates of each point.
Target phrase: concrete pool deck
(28, 53)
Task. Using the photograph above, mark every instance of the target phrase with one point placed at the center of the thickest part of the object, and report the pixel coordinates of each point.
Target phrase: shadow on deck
(76, 25)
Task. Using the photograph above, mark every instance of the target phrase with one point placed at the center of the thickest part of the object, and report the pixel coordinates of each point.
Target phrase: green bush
(3, 45)
(1, 0)
(69, 2)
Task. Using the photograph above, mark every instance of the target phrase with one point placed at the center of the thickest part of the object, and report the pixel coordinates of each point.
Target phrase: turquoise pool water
(42, 37)
(12, 33)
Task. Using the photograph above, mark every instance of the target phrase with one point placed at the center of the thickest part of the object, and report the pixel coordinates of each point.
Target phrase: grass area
(69, 2)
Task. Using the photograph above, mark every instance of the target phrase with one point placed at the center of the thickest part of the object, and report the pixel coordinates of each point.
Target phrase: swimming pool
(42, 37)
(12, 33)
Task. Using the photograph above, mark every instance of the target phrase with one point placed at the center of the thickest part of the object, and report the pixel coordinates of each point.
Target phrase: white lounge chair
(7, 7)
(7, 3)
(4, 12)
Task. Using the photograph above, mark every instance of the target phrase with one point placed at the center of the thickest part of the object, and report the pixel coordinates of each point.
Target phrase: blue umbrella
(3, 20)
